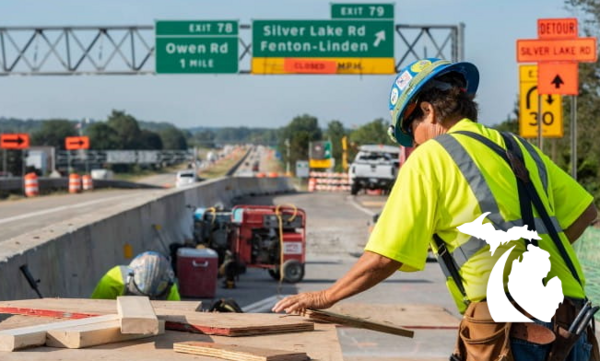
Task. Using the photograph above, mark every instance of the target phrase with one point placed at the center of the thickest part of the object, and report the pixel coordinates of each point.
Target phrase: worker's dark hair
(450, 103)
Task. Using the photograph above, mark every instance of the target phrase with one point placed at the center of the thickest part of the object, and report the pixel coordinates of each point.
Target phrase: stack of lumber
(238, 353)
(135, 319)
(223, 324)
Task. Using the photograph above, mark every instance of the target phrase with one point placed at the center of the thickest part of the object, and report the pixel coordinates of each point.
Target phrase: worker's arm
(370, 269)
(575, 230)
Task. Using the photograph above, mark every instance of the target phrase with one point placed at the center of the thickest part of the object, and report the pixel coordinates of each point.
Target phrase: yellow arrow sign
(552, 112)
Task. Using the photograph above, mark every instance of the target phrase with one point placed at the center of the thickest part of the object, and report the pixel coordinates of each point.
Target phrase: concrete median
(70, 257)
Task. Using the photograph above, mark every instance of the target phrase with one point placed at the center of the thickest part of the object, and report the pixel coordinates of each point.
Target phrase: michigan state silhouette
(525, 280)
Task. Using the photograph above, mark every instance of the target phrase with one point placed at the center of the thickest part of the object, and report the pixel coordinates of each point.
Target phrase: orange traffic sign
(534, 50)
(558, 78)
(14, 141)
(74, 143)
(309, 66)
(557, 28)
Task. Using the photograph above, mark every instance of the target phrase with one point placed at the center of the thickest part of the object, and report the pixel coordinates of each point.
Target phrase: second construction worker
(149, 274)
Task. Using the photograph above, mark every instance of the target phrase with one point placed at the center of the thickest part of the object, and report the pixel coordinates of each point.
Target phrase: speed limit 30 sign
(552, 111)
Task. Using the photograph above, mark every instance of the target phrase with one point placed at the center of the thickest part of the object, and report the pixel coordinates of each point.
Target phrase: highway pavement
(25, 215)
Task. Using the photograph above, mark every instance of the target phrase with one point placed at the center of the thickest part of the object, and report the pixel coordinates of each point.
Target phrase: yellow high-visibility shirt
(431, 195)
(112, 284)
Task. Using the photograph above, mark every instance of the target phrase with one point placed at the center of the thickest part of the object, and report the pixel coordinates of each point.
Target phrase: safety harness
(528, 196)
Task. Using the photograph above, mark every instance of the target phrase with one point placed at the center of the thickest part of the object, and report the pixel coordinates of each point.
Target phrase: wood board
(137, 315)
(94, 334)
(225, 324)
(331, 317)
(410, 316)
(237, 352)
(35, 335)
(320, 345)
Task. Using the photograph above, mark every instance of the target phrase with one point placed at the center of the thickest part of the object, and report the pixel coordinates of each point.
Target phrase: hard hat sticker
(403, 80)
(420, 65)
(394, 96)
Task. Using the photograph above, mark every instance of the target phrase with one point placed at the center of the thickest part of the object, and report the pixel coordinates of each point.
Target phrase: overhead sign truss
(130, 50)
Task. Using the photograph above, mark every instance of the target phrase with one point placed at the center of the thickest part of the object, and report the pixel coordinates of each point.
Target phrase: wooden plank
(237, 352)
(410, 316)
(325, 316)
(93, 334)
(194, 306)
(321, 345)
(22, 337)
(225, 324)
(137, 315)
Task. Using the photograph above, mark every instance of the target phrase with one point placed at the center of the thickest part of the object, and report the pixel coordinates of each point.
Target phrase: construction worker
(149, 274)
(452, 178)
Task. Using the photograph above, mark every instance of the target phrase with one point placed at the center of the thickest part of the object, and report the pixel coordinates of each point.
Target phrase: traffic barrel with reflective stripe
(31, 185)
(273, 175)
(312, 184)
(88, 183)
(74, 183)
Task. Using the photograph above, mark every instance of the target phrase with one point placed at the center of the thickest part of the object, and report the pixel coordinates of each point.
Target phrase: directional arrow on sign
(557, 81)
(14, 141)
(78, 143)
(17, 141)
(379, 37)
(74, 143)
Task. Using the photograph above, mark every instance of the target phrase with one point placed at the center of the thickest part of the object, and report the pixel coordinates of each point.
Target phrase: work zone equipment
(87, 182)
(267, 237)
(328, 182)
(31, 184)
(74, 183)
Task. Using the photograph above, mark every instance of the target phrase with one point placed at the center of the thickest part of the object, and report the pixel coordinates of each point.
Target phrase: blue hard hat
(152, 273)
(411, 79)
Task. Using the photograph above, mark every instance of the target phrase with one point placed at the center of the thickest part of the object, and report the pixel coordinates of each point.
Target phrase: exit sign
(197, 46)
(362, 11)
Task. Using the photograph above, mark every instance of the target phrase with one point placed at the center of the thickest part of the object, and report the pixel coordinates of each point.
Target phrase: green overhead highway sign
(184, 47)
(362, 11)
(323, 38)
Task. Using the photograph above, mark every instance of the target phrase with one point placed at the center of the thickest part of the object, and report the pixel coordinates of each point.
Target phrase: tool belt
(482, 339)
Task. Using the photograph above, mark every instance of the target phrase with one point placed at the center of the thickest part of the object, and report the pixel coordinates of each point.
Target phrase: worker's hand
(300, 302)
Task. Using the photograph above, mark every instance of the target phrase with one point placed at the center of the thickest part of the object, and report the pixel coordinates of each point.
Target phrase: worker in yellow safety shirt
(459, 172)
(149, 274)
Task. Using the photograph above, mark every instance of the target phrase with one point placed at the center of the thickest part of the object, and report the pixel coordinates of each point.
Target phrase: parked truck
(375, 167)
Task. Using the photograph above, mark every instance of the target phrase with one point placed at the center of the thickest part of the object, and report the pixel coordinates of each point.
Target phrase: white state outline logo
(525, 280)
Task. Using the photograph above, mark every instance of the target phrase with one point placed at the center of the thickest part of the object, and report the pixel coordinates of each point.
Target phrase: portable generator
(270, 237)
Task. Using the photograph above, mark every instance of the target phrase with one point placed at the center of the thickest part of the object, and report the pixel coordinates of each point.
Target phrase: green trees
(53, 133)
(335, 132)
(301, 130)
(102, 136)
(173, 138)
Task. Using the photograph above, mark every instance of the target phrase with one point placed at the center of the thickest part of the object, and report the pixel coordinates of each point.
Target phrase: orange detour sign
(534, 50)
(74, 143)
(557, 28)
(14, 141)
(309, 66)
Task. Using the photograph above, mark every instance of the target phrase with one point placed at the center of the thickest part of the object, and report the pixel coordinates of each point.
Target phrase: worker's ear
(428, 112)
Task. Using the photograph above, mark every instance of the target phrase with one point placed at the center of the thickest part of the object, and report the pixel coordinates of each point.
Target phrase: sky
(491, 30)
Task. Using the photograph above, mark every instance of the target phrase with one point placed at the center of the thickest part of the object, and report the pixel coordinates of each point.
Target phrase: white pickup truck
(375, 167)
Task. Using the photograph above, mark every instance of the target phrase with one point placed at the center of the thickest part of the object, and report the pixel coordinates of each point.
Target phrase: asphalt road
(337, 230)
(25, 215)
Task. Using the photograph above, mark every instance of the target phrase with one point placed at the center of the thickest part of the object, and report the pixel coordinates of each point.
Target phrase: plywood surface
(227, 324)
(237, 352)
(409, 316)
(322, 345)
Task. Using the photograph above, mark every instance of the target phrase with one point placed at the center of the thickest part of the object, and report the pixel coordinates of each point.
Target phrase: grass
(220, 167)
(134, 176)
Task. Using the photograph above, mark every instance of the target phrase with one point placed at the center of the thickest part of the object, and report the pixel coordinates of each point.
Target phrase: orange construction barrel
(31, 185)
(273, 175)
(260, 175)
(74, 183)
(88, 183)
(312, 184)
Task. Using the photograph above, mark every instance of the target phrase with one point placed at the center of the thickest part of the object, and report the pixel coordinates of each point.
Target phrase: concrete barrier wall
(70, 257)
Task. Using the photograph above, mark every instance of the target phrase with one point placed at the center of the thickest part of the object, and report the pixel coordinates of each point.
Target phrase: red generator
(270, 237)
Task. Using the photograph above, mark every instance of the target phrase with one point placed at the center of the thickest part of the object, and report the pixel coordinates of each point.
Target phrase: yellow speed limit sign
(552, 111)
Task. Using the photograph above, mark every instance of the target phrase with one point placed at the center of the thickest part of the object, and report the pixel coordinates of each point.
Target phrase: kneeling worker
(149, 274)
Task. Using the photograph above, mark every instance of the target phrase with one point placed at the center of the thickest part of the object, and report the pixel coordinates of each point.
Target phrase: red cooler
(197, 272)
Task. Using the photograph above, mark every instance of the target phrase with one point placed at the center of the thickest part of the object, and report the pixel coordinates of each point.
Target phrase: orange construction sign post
(14, 141)
(75, 143)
